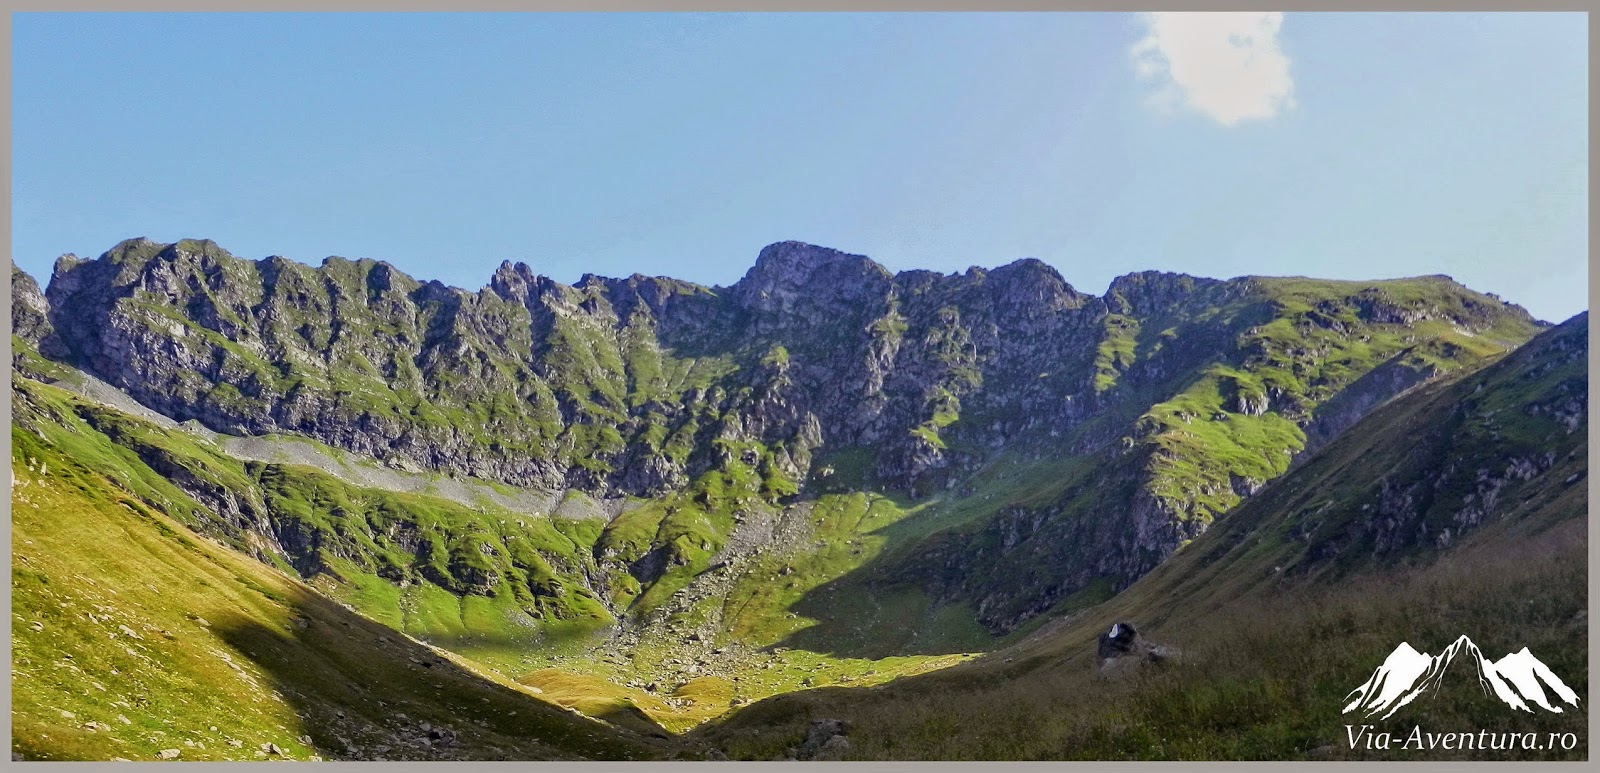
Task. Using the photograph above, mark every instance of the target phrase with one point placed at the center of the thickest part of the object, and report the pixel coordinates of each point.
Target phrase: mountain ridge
(1184, 394)
(1459, 506)
(1084, 452)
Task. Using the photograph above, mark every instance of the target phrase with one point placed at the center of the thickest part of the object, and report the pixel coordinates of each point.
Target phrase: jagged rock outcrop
(30, 312)
(1182, 395)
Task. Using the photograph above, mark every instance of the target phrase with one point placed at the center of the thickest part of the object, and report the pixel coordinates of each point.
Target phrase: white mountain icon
(1517, 679)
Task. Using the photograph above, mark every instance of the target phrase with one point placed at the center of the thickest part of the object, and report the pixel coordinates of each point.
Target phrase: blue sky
(1338, 145)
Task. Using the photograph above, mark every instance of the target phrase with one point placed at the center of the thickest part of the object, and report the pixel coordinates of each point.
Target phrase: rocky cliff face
(1485, 448)
(30, 312)
(1181, 395)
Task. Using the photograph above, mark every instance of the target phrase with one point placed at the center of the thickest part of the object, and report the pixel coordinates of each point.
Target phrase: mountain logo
(1517, 679)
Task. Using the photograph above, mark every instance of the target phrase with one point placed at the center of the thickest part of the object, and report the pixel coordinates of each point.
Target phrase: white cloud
(1226, 65)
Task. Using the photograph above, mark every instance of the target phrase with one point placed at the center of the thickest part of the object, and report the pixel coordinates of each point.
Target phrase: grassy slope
(839, 629)
(361, 543)
(526, 611)
(752, 612)
(1303, 353)
(1279, 612)
(166, 640)
(1296, 344)
(1228, 379)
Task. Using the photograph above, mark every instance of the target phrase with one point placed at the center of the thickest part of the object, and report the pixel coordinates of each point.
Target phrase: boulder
(820, 740)
(1123, 644)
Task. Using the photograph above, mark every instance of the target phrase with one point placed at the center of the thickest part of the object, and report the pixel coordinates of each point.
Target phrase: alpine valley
(266, 510)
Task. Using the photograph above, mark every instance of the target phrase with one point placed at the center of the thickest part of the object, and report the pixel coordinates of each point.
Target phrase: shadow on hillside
(1263, 667)
(549, 640)
(880, 608)
(634, 718)
(363, 691)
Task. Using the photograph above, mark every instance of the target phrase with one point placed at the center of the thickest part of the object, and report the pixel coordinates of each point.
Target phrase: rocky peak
(72, 273)
(383, 279)
(787, 269)
(794, 258)
(1032, 281)
(919, 280)
(138, 249)
(168, 265)
(163, 269)
(512, 280)
(65, 263)
(1143, 292)
(1029, 268)
(653, 294)
(594, 282)
(435, 291)
(30, 312)
(198, 248)
(275, 264)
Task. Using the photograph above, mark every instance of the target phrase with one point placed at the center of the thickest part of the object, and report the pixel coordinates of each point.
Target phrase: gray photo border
(16, 6)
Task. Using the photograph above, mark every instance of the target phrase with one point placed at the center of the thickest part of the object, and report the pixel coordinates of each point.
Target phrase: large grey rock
(30, 312)
(1122, 646)
(825, 739)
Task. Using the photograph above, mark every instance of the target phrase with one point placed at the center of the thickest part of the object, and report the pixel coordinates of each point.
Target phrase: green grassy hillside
(1179, 394)
(521, 609)
(133, 636)
(1293, 600)
(707, 497)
